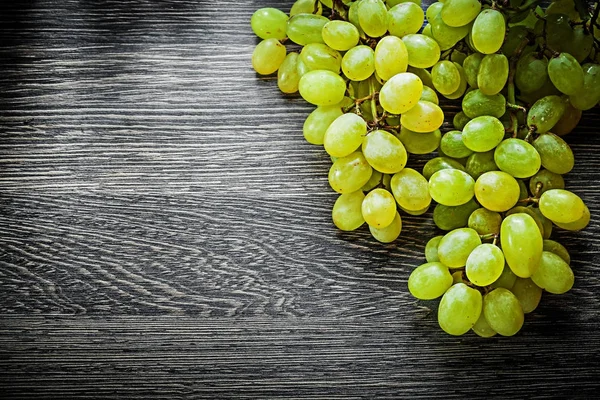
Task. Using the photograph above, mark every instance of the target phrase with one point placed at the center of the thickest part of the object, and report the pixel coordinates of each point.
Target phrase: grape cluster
(376, 70)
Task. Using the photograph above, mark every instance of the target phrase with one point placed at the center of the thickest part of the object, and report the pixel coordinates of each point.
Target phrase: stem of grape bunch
(386, 78)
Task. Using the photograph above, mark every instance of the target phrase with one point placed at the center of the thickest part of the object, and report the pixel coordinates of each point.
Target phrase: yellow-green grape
(353, 17)
(429, 94)
(485, 264)
(301, 68)
(379, 208)
(405, 18)
(503, 312)
(558, 249)
(287, 74)
(267, 56)
(320, 56)
(413, 212)
(390, 232)
(460, 12)
(322, 87)
(483, 133)
(328, 3)
(384, 152)
(445, 76)
(459, 309)
(482, 328)
(561, 206)
(554, 275)
(589, 95)
(451, 187)
(497, 191)
(528, 293)
(344, 135)
(410, 190)
(522, 244)
(372, 16)
(476, 103)
(448, 218)
(438, 164)
(460, 120)
(433, 10)
(401, 93)
(488, 31)
(423, 51)
(425, 116)
(479, 163)
(374, 181)
(359, 63)
(348, 174)
(471, 66)
(484, 221)
(456, 245)
(306, 7)
(431, 254)
(340, 35)
(566, 73)
(392, 3)
(578, 224)
(427, 31)
(447, 36)
(531, 212)
(420, 143)
(429, 281)
(269, 23)
(391, 57)
(318, 121)
(518, 158)
(545, 113)
(506, 280)
(545, 180)
(555, 153)
(347, 211)
(531, 72)
(303, 29)
(452, 145)
(462, 85)
(493, 74)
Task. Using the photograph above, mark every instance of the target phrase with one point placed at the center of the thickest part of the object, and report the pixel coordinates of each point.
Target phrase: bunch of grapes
(376, 72)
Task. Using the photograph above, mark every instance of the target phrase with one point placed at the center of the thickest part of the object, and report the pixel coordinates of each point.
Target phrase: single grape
(562, 206)
(545, 180)
(589, 95)
(347, 211)
(521, 242)
(429, 94)
(453, 217)
(471, 66)
(372, 16)
(545, 113)
(391, 57)
(287, 74)
(445, 76)
(410, 189)
(303, 29)
(506, 280)
(423, 117)
(456, 245)
(568, 121)
(390, 232)
(420, 143)
(554, 275)
(503, 312)
(488, 31)
(423, 51)
(433, 10)
(447, 36)
(359, 63)
(558, 249)
(459, 309)
(379, 208)
(484, 221)
(497, 191)
(493, 74)
(345, 135)
(452, 145)
(348, 174)
(485, 264)
(384, 151)
(267, 56)
(320, 56)
(482, 328)
(531, 72)
(451, 187)
(476, 104)
(340, 35)
(483, 133)
(429, 281)
(404, 19)
(269, 23)
(460, 120)
(318, 121)
(528, 294)
(322, 87)
(431, 247)
(579, 224)
(518, 158)
(439, 163)
(306, 7)
(566, 73)
(555, 153)
(401, 93)
(460, 12)
(462, 85)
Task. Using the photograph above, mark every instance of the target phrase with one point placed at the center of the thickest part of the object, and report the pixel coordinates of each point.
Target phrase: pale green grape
(353, 17)
(287, 74)
(493, 74)
(452, 145)
(497, 191)
(438, 164)
(445, 77)
(484, 221)
(429, 94)
(384, 152)
(545, 180)
(447, 36)
(522, 244)
(471, 66)
(267, 56)
(558, 249)
(301, 69)
(562, 206)
(379, 208)
(359, 63)
(269, 23)
(479, 163)
(453, 217)
(485, 264)
(423, 117)
(554, 275)
(427, 31)
(462, 85)
(459, 121)
(401, 93)
(420, 143)
(431, 254)
(423, 51)
(429, 281)
(483, 133)
(318, 121)
(578, 224)
(405, 18)
(348, 174)
(390, 232)
(410, 189)
(476, 103)
(555, 153)
(503, 312)
(518, 158)
(460, 12)
(545, 113)
(531, 212)
(528, 293)
(451, 187)
(340, 35)
(531, 72)
(433, 10)
(566, 73)
(320, 56)
(391, 57)
(488, 31)
(456, 245)
(459, 309)
(306, 28)
(347, 211)
(482, 328)
(306, 7)
(589, 95)
(506, 280)
(345, 135)
(322, 87)
(372, 16)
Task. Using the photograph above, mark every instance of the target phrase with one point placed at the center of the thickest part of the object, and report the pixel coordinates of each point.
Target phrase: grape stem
(373, 103)
(530, 200)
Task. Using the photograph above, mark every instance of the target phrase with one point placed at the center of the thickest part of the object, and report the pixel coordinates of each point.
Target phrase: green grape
(429, 281)
(531, 72)
(539, 219)
(423, 74)
(320, 56)
(372, 16)
(340, 35)
(581, 44)
(353, 17)
(318, 121)
(528, 294)
(578, 224)
(589, 95)
(453, 217)
(267, 56)
(458, 56)
(484, 221)
(287, 74)
(460, 12)
(482, 328)
(483, 133)
(447, 36)
(348, 174)
(503, 312)
(431, 254)
(425, 116)
(379, 208)
(458, 277)
(392, 3)
(456, 245)
(390, 232)
(329, 3)
(410, 189)
(545, 113)
(558, 249)
(453, 146)
(546, 223)
(480, 163)
(427, 31)
(401, 93)
(476, 104)
(459, 309)
(471, 66)
(347, 211)
(345, 135)
(451, 187)
(568, 121)
(420, 143)
(359, 63)
(566, 73)
(303, 29)
(460, 120)
(493, 74)
(433, 10)
(497, 191)
(561, 206)
(545, 180)
(445, 77)
(374, 181)
(555, 153)
(438, 164)
(506, 280)
(485, 264)
(391, 57)
(322, 87)
(517, 157)
(462, 85)
(558, 32)
(554, 275)
(384, 152)
(521, 242)
(301, 69)
(306, 7)
(488, 31)
(405, 18)
(423, 51)
(269, 23)
(428, 94)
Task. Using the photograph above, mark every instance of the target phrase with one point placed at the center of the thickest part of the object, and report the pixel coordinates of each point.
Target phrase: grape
(392, 3)
(287, 74)
(518, 158)
(546, 180)
(568, 121)
(318, 121)
(476, 104)
(484, 221)
(497, 191)
(482, 328)
(347, 212)
(506, 280)
(445, 76)
(410, 189)
(493, 74)
(521, 242)
(267, 56)
(471, 66)
(423, 117)
(420, 143)
(581, 44)
(554, 275)
(306, 6)
(405, 18)
(438, 164)
(578, 224)
(427, 31)
(503, 312)
(391, 57)
(488, 31)
(353, 17)
(462, 84)
(562, 206)
(531, 212)
(269, 23)
(372, 16)
(546, 223)
(401, 93)
(545, 113)
(384, 152)
(359, 63)
(456, 245)
(480, 163)
(423, 74)
(348, 174)
(423, 51)
(453, 217)
(320, 56)
(303, 29)
(451, 187)
(431, 254)
(460, 12)
(322, 87)
(340, 35)
(459, 309)
(566, 73)
(301, 69)
(429, 94)
(452, 145)
(531, 72)
(483, 133)
(345, 135)
(589, 95)
(447, 36)
(547, 89)
(485, 264)
(555, 153)
(429, 281)
(558, 249)
(390, 232)
(528, 294)
(460, 120)
(433, 10)
(379, 208)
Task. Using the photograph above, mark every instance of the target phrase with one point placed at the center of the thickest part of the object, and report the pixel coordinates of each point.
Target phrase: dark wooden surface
(165, 231)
